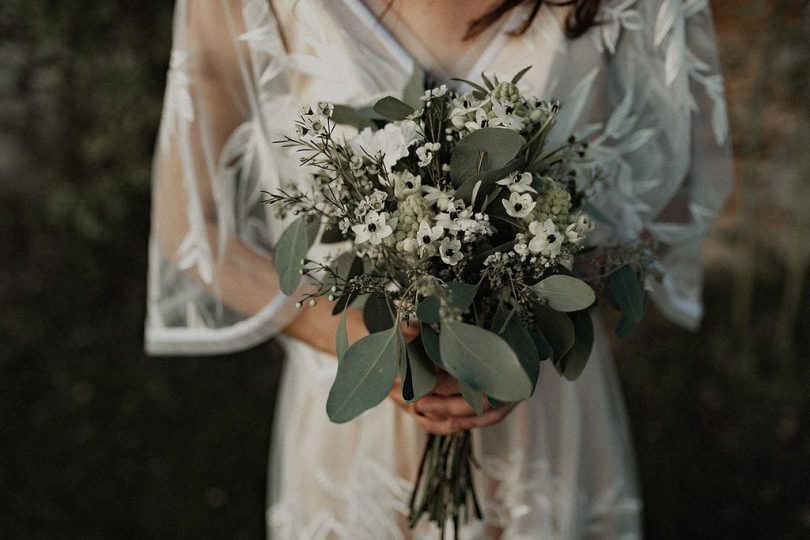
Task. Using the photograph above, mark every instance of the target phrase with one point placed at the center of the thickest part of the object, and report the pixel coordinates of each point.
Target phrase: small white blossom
(425, 156)
(450, 251)
(505, 115)
(518, 183)
(426, 235)
(442, 199)
(573, 234)
(519, 204)
(373, 230)
(456, 218)
(434, 93)
(405, 183)
(547, 240)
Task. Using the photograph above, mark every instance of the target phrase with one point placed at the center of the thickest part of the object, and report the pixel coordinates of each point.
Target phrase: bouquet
(459, 216)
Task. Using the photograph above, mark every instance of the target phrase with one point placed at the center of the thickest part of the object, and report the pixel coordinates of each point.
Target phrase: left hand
(445, 412)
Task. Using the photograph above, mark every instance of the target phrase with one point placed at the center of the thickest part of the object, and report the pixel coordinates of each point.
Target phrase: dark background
(99, 441)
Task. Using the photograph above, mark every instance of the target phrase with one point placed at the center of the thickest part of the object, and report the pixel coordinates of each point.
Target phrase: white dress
(643, 87)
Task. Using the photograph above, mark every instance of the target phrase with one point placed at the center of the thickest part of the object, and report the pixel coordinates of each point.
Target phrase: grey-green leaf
(377, 313)
(292, 246)
(521, 342)
(484, 361)
(430, 342)
(473, 398)
(461, 297)
(628, 293)
(565, 293)
(342, 337)
(421, 370)
(557, 329)
(364, 376)
(343, 114)
(414, 89)
(484, 150)
(574, 361)
(392, 108)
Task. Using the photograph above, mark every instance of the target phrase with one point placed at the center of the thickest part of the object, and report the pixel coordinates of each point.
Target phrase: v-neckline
(410, 61)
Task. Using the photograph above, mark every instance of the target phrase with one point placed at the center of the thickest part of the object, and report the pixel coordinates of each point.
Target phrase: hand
(445, 412)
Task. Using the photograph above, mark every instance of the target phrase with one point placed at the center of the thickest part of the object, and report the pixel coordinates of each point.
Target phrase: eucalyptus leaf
(421, 370)
(628, 293)
(343, 114)
(364, 376)
(486, 182)
(414, 89)
(290, 249)
(461, 297)
(484, 361)
(377, 313)
(343, 302)
(393, 108)
(544, 350)
(574, 361)
(487, 149)
(519, 338)
(557, 329)
(473, 398)
(430, 343)
(342, 337)
(332, 235)
(565, 293)
(502, 316)
(595, 213)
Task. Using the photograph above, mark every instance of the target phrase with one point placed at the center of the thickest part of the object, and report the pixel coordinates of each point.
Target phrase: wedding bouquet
(457, 215)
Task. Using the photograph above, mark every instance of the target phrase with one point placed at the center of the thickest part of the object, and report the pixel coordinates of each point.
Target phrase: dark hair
(580, 19)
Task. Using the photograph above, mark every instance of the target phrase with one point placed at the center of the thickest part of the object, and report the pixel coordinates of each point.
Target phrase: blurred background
(97, 440)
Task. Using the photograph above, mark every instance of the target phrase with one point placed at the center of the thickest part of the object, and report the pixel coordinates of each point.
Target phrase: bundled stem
(444, 487)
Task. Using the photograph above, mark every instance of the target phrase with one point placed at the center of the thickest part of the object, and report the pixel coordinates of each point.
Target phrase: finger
(410, 330)
(436, 427)
(395, 394)
(487, 419)
(446, 406)
(446, 384)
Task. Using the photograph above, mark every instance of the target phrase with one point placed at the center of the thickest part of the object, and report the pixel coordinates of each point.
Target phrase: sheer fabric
(643, 87)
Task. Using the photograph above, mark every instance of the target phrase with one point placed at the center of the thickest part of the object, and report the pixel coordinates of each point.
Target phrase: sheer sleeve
(647, 93)
(212, 287)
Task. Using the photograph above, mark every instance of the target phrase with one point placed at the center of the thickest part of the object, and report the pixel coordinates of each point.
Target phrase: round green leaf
(364, 376)
(628, 293)
(574, 361)
(565, 293)
(484, 150)
(377, 314)
(392, 108)
(291, 247)
(557, 328)
(519, 338)
(484, 361)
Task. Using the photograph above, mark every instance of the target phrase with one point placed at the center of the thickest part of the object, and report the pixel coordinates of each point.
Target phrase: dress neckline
(410, 60)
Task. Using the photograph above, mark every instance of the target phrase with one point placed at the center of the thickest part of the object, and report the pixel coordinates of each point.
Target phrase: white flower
(456, 218)
(406, 183)
(504, 115)
(373, 230)
(573, 234)
(392, 142)
(450, 251)
(583, 222)
(425, 153)
(519, 204)
(518, 183)
(426, 235)
(442, 199)
(547, 241)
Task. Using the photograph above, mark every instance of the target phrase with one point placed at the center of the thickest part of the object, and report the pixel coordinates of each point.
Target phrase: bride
(638, 78)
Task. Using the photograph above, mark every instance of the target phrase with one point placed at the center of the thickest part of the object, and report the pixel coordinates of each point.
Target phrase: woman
(637, 77)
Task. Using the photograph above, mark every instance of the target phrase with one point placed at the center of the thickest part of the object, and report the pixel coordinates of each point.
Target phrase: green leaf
(392, 108)
(488, 182)
(595, 213)
(487, 149)
(377, 313)
(628, 293)
(484, 361)
(430, 343)
(574, 361)
(565, 293)
(291, 248)
(502, 316)
(343, 302)
(557, 329)
(473, 398)
(364, 376)
(461, 297)
(343, 114)
(522, 343)
(332, 235)
(421, 370)
(544, 350)
(519, 75)
(342, 337)
(414, 89)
